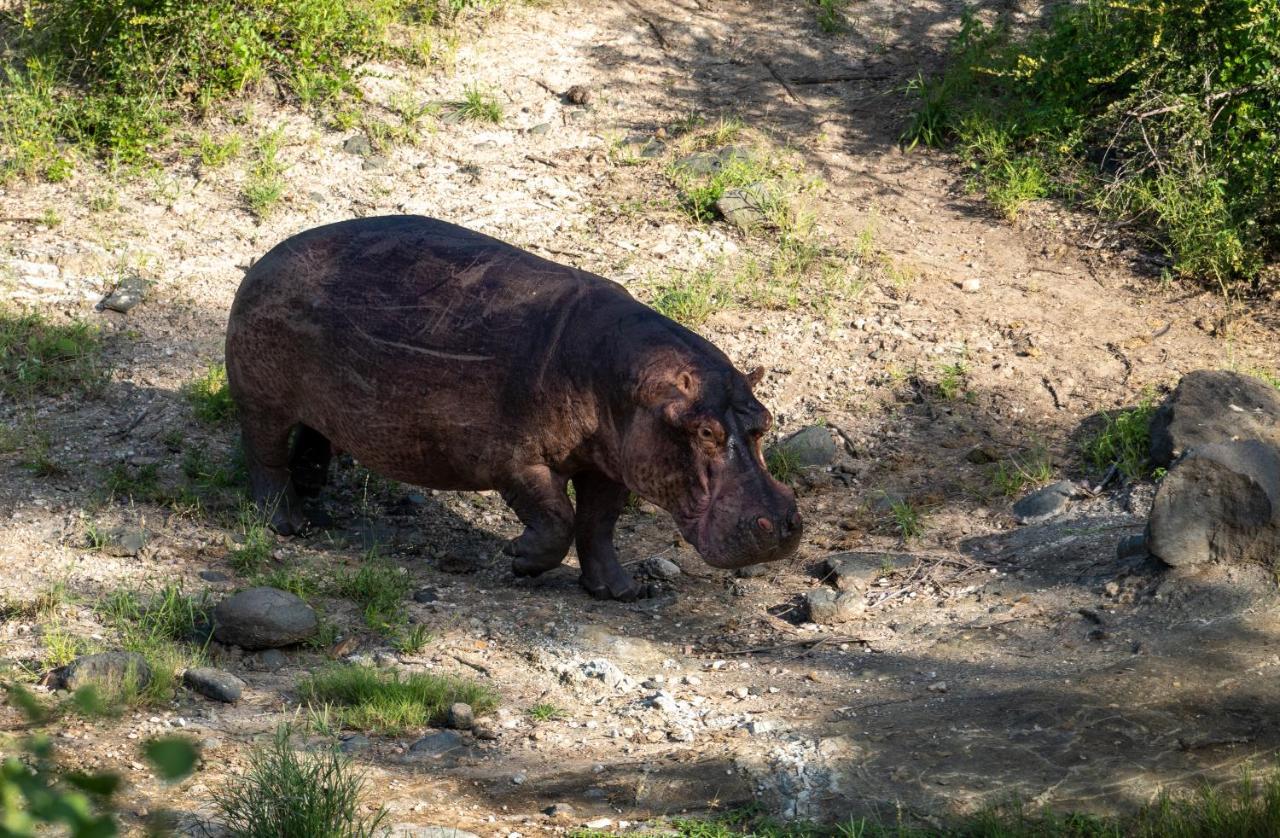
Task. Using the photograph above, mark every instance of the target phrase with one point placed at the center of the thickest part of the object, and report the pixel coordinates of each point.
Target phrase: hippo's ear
(755, 377)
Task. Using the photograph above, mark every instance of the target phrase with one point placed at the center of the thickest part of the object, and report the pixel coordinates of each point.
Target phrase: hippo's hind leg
(540, 501)
(266, 451)
(309, 461)
(600, 502)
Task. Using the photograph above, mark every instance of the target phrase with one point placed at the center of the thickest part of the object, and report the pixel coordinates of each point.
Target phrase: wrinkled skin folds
(444, 358)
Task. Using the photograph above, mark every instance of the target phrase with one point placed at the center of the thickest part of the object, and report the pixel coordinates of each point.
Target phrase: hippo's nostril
(764, 524)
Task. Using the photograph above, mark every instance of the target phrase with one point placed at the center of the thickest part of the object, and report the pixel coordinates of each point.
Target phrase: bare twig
(778, 77)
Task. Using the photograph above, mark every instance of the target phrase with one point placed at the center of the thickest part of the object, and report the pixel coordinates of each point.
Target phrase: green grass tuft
(364, 698)
(265, 185)
(782, 464)
(39, 356)
(830, 14)
(284, 793)
(690, 298)
(380, 589)
(209, 396)
(168, 627)
(1125, 440)
(545, 712)
(479, 104)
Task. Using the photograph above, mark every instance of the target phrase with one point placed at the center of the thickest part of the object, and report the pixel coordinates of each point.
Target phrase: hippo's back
(406, 321)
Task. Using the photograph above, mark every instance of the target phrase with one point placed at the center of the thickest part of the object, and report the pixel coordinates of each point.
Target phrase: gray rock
(357, 144)
(558, 810)
(355, 743)
(827, 606)
(268, 660)
(982, 454)
(1219, 503)
(214, 683)
(613, 677)
(856, 571)
(708, 163)
(751, 571)
(744, 206)
(1213, 406)
(126, 541)
(425, 595)
(374, 161)
(214, 576)
(105, 671)
(461, 716)
(540, 129)
(595, 793)
(436, 745)
(1046, 503)
(485, 731)
(125, 296)
(662, 568)
(263, 618)
(810, 446)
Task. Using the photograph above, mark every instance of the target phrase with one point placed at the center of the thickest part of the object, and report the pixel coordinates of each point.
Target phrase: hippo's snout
(757, 538)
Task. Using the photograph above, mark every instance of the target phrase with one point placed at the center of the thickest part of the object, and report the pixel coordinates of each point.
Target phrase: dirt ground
(997, 661)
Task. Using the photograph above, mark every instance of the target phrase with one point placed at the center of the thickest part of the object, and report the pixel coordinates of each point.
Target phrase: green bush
(1162, 114)
(114, 77)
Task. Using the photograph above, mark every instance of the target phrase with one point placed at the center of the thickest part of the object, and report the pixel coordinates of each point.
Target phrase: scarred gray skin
(444, 358)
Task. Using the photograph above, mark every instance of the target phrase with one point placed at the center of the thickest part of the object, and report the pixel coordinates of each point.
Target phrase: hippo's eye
(706, 433)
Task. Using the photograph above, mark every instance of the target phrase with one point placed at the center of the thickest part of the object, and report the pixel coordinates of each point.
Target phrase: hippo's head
(693, 448)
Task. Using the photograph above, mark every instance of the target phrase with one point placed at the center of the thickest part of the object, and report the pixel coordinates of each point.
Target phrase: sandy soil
(996, 661)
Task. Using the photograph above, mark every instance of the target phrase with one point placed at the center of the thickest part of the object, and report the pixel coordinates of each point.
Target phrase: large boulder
(1219, 503)
(263, 618)
(1213, 406)
(809, 446)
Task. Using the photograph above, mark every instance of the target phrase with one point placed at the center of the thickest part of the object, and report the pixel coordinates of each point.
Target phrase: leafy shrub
(114, 77)
(1165, 114)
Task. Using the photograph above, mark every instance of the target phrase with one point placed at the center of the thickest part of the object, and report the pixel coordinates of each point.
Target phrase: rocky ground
(969, 659)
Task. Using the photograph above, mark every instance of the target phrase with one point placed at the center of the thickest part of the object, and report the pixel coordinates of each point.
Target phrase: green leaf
(103, 784)
(173, 757)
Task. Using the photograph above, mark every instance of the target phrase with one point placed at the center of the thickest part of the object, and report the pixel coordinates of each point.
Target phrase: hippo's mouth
(735, 549)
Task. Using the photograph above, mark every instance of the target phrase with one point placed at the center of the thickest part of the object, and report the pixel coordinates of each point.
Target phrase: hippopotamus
(441, 357)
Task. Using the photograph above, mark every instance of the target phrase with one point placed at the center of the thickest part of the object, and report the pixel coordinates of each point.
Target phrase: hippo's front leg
(539, 500)
(600, 502)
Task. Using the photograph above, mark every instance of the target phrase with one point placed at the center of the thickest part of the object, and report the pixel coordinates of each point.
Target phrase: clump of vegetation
(209, 395)
(769, 178)
(690, 298)
(39, 356)
(1164, 115)
(479, 104)
(952, 379)
(545, 712)
(1124, 440)
(1010, 478)
(413, 641)
(380, 588)
(365, 698)
(782, 463)
(265, 186)
(284, 793)
(830, 14)
(114, 80)
(169, 628)
(255, 543)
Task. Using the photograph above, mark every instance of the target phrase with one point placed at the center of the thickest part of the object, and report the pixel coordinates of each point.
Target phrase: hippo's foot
(288, 521)
(525, 562)
(618, 585)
